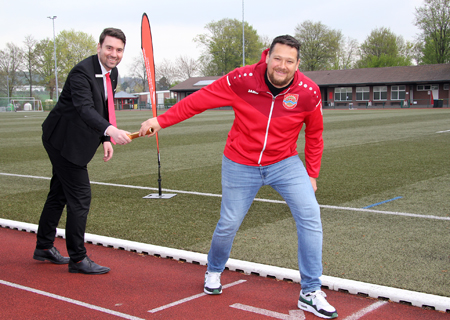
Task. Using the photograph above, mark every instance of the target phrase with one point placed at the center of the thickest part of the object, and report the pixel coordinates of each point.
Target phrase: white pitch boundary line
(65, 299)
(176, 303)
(404, 214)
(417, 299)
(361, 313)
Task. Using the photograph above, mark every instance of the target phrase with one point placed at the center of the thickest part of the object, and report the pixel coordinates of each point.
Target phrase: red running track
(147, 287)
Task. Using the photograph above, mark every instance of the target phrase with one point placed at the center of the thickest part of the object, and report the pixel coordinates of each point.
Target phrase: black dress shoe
(51, 255)
(87, 266)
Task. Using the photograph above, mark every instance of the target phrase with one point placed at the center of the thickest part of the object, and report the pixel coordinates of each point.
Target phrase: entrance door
(435, 91)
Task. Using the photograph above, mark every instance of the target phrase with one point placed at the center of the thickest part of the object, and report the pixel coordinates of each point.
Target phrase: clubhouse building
(391, 87)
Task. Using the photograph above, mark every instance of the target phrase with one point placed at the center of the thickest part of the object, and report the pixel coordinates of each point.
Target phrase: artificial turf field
(370, 156)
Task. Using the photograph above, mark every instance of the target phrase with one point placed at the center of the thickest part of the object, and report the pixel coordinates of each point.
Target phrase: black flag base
(160, 196)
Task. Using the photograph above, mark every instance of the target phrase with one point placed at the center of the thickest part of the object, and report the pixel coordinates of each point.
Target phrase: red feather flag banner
(147, 51)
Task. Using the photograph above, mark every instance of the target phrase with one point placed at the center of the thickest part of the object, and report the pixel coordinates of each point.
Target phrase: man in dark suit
(72, 132)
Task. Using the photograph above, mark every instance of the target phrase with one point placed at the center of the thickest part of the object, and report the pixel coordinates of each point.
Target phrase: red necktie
(111, 111)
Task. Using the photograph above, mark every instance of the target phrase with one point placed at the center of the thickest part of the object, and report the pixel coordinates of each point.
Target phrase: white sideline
(417, 299)
(405, 214)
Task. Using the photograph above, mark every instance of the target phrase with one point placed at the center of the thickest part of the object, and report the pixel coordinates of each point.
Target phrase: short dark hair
(112, 32)
(287, 40)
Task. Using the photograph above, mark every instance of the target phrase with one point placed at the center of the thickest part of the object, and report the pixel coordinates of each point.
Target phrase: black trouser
(69, 186)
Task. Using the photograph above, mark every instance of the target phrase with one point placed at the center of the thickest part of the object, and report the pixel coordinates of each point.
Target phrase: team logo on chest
(290, 101)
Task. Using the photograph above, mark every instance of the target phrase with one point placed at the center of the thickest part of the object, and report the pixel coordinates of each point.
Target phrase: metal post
(54, 47)
(243, 36)
(7, 84)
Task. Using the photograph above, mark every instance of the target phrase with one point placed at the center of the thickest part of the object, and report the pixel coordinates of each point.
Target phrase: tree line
(33, 63)
(322, 48)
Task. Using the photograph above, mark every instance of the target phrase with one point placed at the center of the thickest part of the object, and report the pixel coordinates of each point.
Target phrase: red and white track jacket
(266, 128)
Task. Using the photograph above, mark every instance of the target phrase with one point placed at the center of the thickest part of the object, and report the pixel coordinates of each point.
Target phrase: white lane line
(443, 131)
(361, 313)
(23, 176)
(404, 214)
(176, 303)
(76, 302)
(293, 314)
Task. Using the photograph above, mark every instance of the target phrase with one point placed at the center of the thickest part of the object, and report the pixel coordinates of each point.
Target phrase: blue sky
(175, 23)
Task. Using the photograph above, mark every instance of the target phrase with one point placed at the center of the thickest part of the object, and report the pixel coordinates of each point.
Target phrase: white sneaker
(316, 303)
(212, 283)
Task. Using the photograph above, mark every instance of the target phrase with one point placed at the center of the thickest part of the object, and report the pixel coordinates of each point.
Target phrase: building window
(343, 94)
(446, 86)
(362, 93)
(427, 87)
(398, 92)
(380, 93)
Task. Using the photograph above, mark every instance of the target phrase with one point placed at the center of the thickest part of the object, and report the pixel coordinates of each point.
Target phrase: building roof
(388, 75)
(194, 83)
(124, 95)
(368, 76)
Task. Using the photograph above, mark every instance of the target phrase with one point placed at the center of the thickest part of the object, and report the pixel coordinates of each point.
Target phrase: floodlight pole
(243, 36)
(54, 47)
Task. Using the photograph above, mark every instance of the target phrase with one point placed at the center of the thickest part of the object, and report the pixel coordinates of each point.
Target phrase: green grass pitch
(370, 156)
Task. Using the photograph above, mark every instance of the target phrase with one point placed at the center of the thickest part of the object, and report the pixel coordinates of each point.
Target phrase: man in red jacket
(271, 100)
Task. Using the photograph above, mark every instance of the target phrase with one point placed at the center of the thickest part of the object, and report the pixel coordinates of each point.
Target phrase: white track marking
(76, 302)
(361, 313)
(293, 314)
(176, 303)
(404, 214)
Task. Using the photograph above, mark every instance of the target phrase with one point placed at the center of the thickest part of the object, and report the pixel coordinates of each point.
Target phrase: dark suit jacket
(77, 123)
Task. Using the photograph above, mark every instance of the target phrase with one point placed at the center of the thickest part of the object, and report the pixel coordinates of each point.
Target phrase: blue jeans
(241, 183)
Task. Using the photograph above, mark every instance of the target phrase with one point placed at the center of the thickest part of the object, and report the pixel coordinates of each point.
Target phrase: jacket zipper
(268, 122)
(267, 130)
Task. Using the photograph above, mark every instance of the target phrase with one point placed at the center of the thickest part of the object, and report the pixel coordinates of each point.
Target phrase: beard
(278, 82)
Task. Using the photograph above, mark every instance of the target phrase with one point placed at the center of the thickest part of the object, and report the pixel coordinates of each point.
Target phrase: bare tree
(29, 60)
(139, 72)
(166, 70)
(185, 68)
(266, 41)
(347, 54)
(10, 65)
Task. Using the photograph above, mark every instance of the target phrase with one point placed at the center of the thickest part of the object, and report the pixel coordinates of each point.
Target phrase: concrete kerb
(417, 299)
